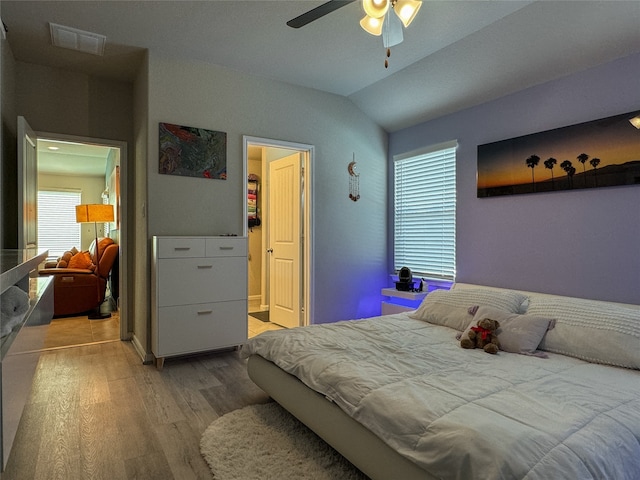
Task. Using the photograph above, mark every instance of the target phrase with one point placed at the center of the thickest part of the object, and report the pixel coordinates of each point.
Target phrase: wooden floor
(67, 331)
(79, 330)
(256, 326)
(95, 412)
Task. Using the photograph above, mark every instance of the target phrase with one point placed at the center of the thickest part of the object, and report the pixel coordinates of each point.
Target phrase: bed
(400, 399)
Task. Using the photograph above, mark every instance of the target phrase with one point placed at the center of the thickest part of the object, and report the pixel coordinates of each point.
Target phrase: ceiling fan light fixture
(379, 20)
(372, 25)
(375, 8)
(407, 10)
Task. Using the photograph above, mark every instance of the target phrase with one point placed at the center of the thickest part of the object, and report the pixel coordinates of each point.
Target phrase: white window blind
(57, 227)
(425, 212)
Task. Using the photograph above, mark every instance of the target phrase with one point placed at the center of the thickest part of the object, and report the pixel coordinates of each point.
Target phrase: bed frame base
(352, 440)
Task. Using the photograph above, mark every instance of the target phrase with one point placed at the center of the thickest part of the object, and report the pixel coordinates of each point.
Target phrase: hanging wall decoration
(252, 201)
(354, 180)
(600, 153)
(192, 152)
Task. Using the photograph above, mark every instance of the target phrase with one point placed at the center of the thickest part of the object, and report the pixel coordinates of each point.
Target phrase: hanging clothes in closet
(253, 183)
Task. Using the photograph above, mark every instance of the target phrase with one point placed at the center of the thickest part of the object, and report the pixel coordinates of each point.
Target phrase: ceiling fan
(318, 12)
(378, 20)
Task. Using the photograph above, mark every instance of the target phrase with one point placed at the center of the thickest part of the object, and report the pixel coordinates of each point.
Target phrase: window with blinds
(425, 211)
(57, 227)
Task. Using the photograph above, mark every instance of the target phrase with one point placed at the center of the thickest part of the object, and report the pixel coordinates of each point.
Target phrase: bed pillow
(597, 332)
(450, 308)
(517, 333)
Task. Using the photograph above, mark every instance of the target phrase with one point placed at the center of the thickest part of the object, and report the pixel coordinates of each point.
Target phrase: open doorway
(280, 241)
(95, 171)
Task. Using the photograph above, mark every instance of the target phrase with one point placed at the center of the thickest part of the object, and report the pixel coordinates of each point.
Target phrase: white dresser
(199, 294)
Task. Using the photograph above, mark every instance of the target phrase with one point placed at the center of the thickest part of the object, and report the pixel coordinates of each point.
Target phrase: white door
(27, 186)
(284, 250)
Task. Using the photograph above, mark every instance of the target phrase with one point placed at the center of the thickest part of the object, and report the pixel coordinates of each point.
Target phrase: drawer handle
(205, 266)
(226, 248)
(205, 312)
(181, 248)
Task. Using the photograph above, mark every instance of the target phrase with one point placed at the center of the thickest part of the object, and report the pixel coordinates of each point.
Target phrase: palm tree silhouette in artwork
(570, 169)
(594, 163)
(582, 158)
(571, 172)
(532, 162)
(550, 163)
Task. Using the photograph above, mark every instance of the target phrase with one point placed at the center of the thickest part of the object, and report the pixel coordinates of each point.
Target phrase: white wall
(581, 243)
(349, 266)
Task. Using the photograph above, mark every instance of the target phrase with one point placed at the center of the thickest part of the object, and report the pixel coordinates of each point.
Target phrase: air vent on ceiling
(68, 37)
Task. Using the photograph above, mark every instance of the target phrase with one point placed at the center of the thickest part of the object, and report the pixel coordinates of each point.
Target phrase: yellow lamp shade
(94, 213)
(372, 25)
(407, 10)
(375, 8)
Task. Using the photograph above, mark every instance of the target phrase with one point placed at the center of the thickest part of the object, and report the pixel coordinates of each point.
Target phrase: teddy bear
(483, 335)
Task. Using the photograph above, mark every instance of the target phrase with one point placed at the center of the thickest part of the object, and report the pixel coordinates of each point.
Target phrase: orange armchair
(80, 290)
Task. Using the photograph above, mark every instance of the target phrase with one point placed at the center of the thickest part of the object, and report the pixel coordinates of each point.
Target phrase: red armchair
(80, 290)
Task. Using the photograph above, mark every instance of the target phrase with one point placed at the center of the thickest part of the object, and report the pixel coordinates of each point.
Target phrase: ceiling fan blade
(317, 12)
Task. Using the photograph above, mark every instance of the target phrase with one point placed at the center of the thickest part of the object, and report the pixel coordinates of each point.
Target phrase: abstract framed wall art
(599, 153)
(192, 152)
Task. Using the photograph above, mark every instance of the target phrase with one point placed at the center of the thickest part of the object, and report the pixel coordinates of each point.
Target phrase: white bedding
(463, 414)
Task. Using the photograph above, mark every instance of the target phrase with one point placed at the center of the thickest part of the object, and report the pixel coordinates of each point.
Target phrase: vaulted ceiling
(455, 55)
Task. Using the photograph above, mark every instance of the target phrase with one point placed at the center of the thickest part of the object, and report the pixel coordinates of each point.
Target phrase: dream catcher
(354, 180)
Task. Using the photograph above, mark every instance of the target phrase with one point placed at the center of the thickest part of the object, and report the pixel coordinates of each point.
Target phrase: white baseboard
(254, 302)
(146, 358)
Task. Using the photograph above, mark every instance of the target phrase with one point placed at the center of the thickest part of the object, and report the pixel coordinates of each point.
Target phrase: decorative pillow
(598, 332)
(63, 261)
(81, 260)
(450, 308)
(517, 333)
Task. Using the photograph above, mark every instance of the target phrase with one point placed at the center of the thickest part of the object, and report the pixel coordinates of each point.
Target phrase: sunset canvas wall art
(599, 153)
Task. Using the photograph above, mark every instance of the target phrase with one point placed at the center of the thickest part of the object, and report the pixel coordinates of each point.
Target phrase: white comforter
(465, 414)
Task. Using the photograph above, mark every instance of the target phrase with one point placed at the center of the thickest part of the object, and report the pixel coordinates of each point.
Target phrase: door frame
(27, 199)
(123, 257)
(308, 154)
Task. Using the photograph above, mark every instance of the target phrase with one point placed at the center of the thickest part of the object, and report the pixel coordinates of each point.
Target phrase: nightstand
(396, 301)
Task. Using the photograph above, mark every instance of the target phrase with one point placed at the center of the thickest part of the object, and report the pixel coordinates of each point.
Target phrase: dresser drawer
(201, 280)
(192, 328)
(226, 247)
(176, 247)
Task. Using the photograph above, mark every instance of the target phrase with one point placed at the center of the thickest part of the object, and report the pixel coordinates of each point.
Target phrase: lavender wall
(578, 243)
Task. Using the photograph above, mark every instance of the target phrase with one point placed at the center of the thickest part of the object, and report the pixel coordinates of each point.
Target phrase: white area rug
(264, 442)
